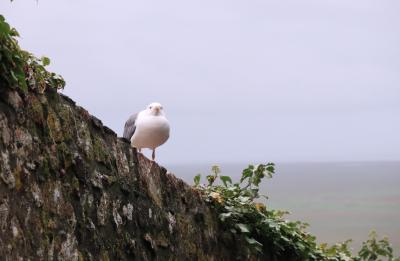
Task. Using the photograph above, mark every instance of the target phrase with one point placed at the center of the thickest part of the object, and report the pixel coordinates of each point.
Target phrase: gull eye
(150, 107)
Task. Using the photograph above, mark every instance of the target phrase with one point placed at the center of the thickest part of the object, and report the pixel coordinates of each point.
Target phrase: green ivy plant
(241, 214)
(374, 249)
(21, 69)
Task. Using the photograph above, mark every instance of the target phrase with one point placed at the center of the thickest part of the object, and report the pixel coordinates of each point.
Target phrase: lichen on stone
(5, 132)
(102, 210)
(6, 174)
(35, 110)
(69, 248)
(100, 150)
(54, 126)
(4, 211)
(127, 211)
(71, 190)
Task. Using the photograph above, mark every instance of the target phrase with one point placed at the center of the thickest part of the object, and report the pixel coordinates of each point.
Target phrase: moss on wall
(71, 190)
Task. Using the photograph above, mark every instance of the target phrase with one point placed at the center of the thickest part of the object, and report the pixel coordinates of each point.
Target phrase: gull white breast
(148, 128)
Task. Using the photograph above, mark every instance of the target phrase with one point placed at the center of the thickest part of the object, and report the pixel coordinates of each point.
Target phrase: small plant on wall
(241, 214)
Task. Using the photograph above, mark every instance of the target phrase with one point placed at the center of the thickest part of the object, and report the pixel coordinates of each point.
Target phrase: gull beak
(157, 110)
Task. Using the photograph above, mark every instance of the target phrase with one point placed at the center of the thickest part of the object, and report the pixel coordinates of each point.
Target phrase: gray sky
(244, 81)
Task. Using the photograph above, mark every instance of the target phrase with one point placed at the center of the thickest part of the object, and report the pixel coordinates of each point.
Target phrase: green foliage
(374, 249)
(19, 68)
(197, 180)
(241, 214)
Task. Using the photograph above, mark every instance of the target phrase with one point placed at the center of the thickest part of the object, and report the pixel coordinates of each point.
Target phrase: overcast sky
(240, 81)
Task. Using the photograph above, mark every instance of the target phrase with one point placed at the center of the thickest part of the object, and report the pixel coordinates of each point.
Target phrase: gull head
(155, 109)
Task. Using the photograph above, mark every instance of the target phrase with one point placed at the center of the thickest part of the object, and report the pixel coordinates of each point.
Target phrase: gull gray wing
(130, 127)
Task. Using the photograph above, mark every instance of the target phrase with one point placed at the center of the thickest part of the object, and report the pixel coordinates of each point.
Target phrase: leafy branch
(21, 69)
(266, 230)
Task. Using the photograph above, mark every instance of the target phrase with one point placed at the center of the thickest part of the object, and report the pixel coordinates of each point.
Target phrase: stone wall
(70, 189)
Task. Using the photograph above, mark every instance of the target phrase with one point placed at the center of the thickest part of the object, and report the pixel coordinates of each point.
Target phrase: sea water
(340, 201)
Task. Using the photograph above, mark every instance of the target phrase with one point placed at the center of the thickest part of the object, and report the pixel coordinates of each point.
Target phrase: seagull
(148, 128)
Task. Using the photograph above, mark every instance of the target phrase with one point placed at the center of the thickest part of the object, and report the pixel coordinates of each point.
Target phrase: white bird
(148, 128)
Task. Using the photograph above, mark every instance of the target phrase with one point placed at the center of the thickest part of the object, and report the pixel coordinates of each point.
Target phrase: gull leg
(153, 155)
(140, 150)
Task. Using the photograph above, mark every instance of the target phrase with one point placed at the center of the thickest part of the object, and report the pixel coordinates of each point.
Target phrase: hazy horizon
(338, 200)
(254, 81)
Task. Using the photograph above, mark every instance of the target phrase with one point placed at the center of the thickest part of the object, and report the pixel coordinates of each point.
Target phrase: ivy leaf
(247, 173)
(215, 169)
(243, 199)
(224, 216)
(4, 27)
(259, 174)
(252, 241)
(243, 228)
(45, 60)
(210, 179)
(254, 193)
(22, 82)
(196, 180)
(225, 180)
(14, 32)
